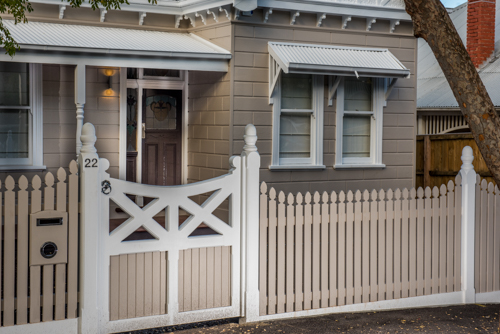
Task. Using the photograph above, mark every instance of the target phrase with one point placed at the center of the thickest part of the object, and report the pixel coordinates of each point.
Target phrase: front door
(162, 142)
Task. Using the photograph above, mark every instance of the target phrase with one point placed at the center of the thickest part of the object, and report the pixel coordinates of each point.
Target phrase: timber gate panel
(177, 276)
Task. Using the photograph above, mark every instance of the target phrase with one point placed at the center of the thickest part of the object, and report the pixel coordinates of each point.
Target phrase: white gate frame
(97, 244)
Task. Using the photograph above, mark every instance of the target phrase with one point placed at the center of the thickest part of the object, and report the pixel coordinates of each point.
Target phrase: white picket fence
(297, 255)
(319, 251)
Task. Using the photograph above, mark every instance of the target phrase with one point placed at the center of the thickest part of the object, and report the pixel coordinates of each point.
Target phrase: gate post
(468, 225)
(250, 226)
(88, 160)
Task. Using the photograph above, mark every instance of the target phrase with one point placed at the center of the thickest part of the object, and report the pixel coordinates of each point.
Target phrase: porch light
(109, 73)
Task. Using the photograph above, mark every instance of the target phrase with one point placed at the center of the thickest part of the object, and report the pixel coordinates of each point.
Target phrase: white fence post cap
(467, 158)
(250, 138)
(88, 138)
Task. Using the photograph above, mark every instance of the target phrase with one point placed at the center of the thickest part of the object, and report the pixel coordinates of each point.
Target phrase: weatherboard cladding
(89, 37)
(295, 55)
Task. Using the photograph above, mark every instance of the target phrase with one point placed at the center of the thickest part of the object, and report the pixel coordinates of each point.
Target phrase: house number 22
(91, 163)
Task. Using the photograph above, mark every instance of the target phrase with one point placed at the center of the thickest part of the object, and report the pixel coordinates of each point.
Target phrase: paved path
(453, 319)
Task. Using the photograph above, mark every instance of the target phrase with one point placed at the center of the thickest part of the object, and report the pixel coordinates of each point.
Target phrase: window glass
(356, 136)
(161, 112)
(14, 84)
(296, 91)
(156, 72)
(358, 94)
(295, 136)
(14, 133)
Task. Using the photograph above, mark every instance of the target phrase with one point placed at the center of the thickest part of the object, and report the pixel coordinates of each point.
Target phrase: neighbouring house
(442, 130)
(330, 86)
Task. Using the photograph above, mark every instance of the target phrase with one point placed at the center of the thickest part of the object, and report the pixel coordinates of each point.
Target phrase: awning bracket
(333, 84)
(274, 74)
(390, 87)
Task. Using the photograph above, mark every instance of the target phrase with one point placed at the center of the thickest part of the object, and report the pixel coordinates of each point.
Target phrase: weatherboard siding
(251, 101)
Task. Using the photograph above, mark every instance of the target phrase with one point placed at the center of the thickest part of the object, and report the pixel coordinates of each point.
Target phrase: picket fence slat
(73, 232)
(272, 252)
(307, 252)
(333, 250)
(281, 254)
(299, 249)
(458, 232)
(22, 252)
(341, 250)
(263, 230)
(324, 250)
(381, 246)
(420, 279)
(358, 286)
(349, 249)
(9, 256)
(390, 247)
(428, 241)
(290, 232)
(328, 250)
(373, 246)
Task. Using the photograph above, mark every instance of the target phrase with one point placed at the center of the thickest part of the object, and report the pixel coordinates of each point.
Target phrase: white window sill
(297, 167)
(350, 166)
(17, 168)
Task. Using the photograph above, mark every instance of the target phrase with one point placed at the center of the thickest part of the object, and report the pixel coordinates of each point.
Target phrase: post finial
(250, 138)
(88, 138)
(467, 158)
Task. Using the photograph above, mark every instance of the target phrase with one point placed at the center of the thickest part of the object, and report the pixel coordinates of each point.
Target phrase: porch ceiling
(88, 44)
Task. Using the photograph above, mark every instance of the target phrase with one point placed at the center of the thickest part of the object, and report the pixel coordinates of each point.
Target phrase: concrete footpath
(475, 318)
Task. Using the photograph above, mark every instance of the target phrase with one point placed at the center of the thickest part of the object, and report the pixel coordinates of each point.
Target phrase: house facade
(329, 85)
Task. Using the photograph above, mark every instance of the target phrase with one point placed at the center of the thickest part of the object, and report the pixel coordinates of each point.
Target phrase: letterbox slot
(49, 221)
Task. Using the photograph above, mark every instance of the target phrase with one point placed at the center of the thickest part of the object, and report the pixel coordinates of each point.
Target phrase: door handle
(143, 130)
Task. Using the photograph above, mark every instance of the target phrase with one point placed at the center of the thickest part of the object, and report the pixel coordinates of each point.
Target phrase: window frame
(35, 158)
(376, 128)
(315, 161)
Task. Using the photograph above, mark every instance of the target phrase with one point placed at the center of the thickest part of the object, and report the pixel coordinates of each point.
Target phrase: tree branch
(432, 23)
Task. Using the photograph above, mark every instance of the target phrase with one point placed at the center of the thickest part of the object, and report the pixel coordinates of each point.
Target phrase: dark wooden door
(162, 145)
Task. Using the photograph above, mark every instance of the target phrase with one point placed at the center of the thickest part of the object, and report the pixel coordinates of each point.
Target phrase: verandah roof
(184, 50)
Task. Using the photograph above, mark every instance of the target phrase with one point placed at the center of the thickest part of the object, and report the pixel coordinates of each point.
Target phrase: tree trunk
(432, 23)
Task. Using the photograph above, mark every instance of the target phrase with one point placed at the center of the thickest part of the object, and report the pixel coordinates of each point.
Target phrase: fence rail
(33, 293)
(334, 249)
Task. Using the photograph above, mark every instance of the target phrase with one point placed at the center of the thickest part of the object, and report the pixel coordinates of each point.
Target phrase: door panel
(162, 145)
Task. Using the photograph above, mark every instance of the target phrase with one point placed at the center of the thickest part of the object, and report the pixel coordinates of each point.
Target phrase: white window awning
(102, 46)
(336, 60)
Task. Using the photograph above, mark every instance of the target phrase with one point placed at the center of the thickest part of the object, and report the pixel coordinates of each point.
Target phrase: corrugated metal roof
(433, 90)
(336, 60)
(110, 40)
